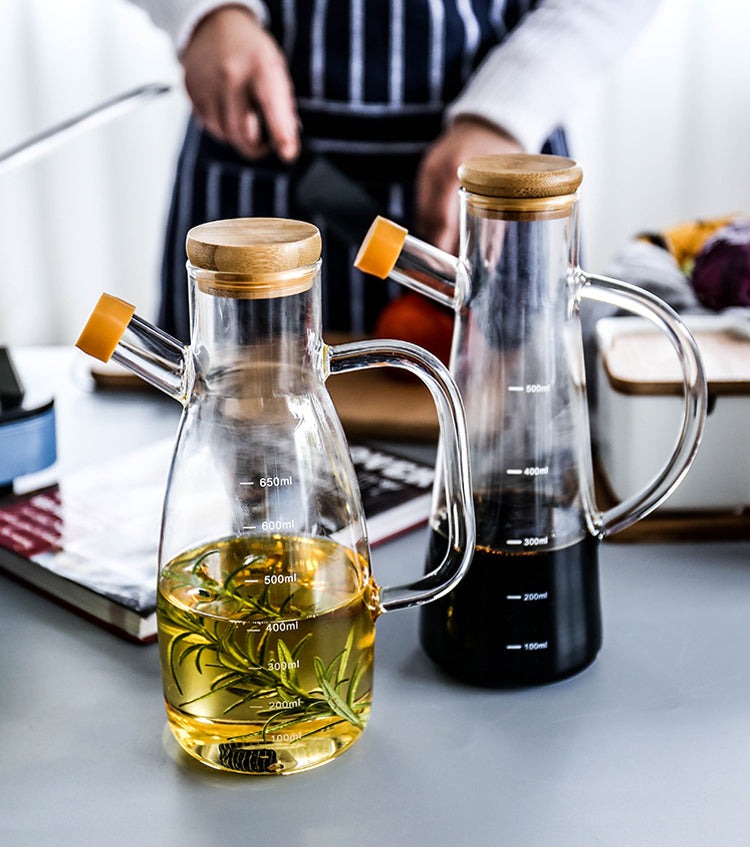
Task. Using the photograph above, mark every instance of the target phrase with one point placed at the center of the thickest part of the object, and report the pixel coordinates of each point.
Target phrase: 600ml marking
(277, 525)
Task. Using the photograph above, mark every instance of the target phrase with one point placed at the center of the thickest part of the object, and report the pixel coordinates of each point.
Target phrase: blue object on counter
(28, 439)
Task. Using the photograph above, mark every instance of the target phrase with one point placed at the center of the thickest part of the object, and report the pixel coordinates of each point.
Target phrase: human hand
(239, 84)
(437, 180)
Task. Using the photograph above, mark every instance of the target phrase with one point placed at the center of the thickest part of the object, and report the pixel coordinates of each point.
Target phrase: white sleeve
(529, 83)
(180, 17)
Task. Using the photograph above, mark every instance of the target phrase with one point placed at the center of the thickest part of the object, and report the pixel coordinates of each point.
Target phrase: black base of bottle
(518, 619)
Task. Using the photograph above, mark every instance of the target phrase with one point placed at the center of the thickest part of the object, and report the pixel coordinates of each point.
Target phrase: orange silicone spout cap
(381, 247)
(105, 327)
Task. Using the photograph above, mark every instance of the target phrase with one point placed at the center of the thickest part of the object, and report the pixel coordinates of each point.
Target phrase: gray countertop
(647, 746)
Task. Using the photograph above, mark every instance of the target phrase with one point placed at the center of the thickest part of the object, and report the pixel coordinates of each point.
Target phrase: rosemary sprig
(245, 666)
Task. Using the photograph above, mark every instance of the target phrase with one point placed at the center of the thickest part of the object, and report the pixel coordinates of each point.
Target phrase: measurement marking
(249, 527)
(514, 542)
(246, 483)
(277, 525)
(514, 596)
(514, 471)
(514, 646)
(514, 389)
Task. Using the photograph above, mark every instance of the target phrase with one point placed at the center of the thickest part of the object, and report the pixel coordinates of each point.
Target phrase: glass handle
(644, 304)
(371, 354)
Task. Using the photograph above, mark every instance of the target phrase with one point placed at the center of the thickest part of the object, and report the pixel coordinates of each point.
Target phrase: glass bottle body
(528, 609)
(266, 601)
(266, 604)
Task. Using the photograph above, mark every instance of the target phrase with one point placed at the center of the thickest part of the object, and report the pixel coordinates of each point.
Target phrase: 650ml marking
(275, 481)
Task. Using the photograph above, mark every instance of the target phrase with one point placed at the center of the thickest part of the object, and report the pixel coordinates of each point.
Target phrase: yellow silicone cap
(380, 248)
(105, 327)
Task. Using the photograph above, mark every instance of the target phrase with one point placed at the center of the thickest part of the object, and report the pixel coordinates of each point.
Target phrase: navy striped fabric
(372, 78)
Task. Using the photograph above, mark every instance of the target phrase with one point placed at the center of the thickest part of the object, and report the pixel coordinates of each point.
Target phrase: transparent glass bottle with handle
(528, 610)
(266, 599)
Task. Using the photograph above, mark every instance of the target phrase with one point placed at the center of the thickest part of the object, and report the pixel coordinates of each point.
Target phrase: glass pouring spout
(388, 250)
(115, 332)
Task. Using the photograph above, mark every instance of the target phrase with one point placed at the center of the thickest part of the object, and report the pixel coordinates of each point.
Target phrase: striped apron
(372, 79)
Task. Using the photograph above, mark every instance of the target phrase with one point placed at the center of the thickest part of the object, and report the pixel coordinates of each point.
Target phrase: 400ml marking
(283, 626)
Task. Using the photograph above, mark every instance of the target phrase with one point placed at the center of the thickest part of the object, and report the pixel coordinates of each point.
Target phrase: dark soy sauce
(516, 618)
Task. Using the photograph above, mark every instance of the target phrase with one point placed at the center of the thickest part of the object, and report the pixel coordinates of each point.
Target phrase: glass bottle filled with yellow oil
(266, 603)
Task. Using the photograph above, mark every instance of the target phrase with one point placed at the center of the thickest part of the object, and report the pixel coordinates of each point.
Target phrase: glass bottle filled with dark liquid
(528, 609)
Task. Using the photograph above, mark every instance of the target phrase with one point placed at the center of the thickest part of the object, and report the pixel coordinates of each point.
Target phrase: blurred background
(662, 138)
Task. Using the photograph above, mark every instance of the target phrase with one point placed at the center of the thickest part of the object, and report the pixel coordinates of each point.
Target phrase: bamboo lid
(520, 175)
(254, 257)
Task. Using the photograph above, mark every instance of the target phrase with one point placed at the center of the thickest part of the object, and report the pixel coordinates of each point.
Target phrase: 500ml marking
(276, 578)
(530, 389)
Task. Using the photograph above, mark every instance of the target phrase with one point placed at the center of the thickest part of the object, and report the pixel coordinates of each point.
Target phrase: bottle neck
(277, 336)
(488, 223)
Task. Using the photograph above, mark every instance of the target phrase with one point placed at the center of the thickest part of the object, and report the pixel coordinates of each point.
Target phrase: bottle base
(518, 619)
(227, 747)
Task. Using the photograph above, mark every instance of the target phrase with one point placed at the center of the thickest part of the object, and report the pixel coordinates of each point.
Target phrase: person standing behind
(395, 93)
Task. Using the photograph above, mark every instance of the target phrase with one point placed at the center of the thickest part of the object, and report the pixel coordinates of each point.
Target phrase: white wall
(89, 216)
(663, 138)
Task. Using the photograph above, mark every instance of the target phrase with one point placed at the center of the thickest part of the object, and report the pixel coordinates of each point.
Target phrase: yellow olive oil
(266, 650)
